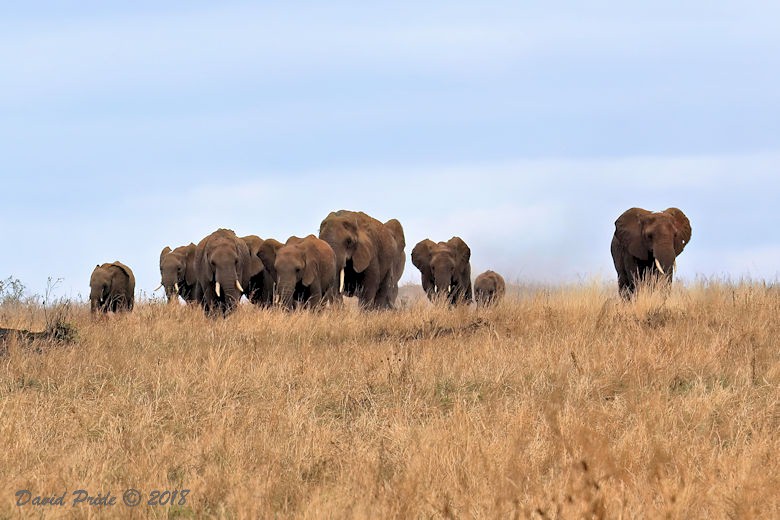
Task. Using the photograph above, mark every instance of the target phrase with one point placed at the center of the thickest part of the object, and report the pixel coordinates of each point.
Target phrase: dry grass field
(558, 403)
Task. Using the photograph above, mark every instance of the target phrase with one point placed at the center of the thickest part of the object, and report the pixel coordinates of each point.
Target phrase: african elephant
(489, 288)
(260, 289)
(647, 243)
(111, 288)
(445, 269)
(177, 269)
(305, 270)
(223, 268)
(369, 256)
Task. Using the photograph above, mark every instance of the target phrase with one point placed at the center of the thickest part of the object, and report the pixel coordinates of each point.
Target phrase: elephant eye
(349, 241)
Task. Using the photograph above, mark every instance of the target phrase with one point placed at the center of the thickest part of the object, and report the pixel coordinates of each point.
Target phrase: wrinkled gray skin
(305, 271)
(643, 240)
(489, 288)
(260, 289)
(177, 272)
(222, 258)
(445, 269)
(370, 253)
(111, 288)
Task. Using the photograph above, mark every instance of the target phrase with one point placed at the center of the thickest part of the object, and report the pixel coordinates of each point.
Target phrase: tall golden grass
(557, 403)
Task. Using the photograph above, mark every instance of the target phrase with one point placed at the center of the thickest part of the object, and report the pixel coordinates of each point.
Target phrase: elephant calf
(647, 244)
(304, 270)
(445, 269)
(489, 288)
(111, 288)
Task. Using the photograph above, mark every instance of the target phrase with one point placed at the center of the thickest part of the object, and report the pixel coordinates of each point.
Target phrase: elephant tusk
(176, 287)
(158, 288)
(341, 281)
(658, 265)
(238, 286)
(449, 289)
(216, 289)
(436, 289)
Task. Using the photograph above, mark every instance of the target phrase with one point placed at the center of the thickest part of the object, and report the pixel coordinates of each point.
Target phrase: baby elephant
(111, 288)
(304, 270)
(489, 288)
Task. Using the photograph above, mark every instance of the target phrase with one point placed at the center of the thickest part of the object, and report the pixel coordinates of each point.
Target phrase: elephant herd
(358, 255)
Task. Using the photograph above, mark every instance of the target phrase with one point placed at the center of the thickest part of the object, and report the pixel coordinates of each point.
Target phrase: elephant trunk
(665, 259)
(228, 284)
(286, 291)
(443, 285)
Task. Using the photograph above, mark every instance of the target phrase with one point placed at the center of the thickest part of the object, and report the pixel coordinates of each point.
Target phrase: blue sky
(525, 129)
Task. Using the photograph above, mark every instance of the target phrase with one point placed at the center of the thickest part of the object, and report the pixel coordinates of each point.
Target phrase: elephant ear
(255, 265)
(421, 254)
(462, 251)
(628, 230)
(683, 229)
(309, 271)
(364, 252)
(190, 273)
(421, 259)
(397, 231)
(127, 271)
(267, 254)
(164, 252)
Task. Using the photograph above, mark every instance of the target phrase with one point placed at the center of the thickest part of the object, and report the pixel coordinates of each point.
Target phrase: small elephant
(305, 270)
(260, 289)
(177, 271)
(445, 269)
(111, 288)
(223, 268)
(489, 288)
(647, 244)
(370, 256)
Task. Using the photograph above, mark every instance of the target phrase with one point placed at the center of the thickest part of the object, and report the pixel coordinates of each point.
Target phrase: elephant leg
(368, 294)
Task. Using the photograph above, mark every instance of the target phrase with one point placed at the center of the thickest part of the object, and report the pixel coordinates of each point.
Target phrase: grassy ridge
(558, 403)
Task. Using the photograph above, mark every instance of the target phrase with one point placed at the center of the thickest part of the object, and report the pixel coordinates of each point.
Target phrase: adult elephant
(224, 267)
(369, 256)
(489, 288)
(305, 270)
(260, 289)
(111, 288)
(646, 244)
(445, 269)
(177, 272)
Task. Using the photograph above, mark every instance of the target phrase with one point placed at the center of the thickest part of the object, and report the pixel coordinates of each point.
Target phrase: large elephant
(260, 289)
(177, 271)
(369, 256)
(647, 243)
(111, 288)
(305, 270)
(445, 269)
(224, 268)
(489, 288)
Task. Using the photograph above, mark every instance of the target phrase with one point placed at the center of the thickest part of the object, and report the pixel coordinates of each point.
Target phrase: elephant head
(445, 268)
(353, 245)
(655, 238)
(177, 271)
(224, 268)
